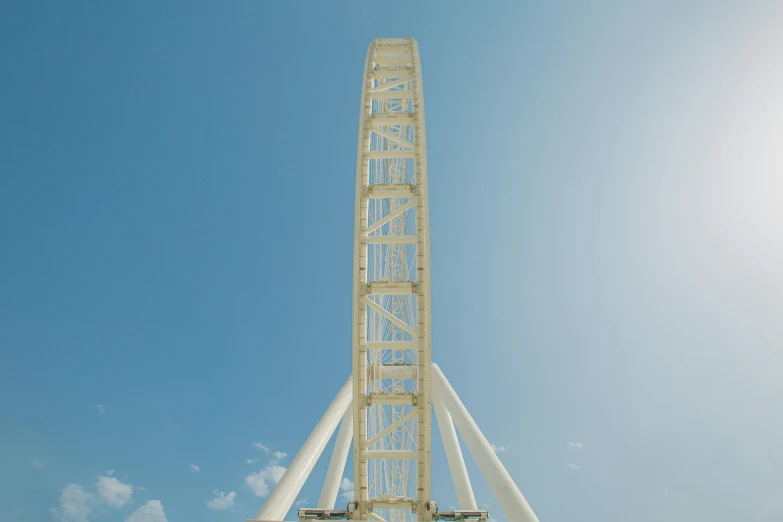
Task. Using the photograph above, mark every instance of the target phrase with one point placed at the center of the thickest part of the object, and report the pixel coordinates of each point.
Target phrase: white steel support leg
(334, 474)
(282, 497)
(508, 495)
(459, 473)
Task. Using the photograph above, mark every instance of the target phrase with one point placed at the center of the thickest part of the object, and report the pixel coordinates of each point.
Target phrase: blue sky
(176, 213)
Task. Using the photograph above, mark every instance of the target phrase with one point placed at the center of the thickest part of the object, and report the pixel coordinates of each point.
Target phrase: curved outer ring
(359, 279)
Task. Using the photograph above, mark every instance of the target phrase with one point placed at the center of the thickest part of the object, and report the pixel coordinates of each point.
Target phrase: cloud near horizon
(113, 492)
(152, 511)
(346, 486)
(261, 483)
(76, 503)
(222, 501)
(259, 445)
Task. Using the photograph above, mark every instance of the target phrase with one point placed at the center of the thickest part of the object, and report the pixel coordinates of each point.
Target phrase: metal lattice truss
(392, 341)
(386, 408)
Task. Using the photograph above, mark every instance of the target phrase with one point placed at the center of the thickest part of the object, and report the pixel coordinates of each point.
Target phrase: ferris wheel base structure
(384, 411)
(449, 411)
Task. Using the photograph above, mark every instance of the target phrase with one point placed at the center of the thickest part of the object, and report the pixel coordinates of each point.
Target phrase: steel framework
(386, 407)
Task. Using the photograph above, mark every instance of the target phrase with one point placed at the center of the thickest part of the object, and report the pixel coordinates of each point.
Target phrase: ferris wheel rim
(388, 70)
(397, 296)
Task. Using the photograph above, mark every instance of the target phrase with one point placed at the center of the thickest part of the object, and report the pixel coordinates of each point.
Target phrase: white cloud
(152, 511)
(113, 492)
(260, 446)
(575, 446)
(301, 501)
(346, 486)
(251, 461)
(574, 467)
(101, 407)
(73, 504)
(498, 449)
(222, 500)
(280, 455)
(194, 469)
(39, 464)
(261, 483)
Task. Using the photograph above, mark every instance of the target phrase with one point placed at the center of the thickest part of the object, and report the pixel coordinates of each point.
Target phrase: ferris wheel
(385, 408)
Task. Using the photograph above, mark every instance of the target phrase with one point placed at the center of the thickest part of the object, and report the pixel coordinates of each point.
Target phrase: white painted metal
(397, 213)
(334, 474)
(390, 454)
(392, 345)
(392, 371)
(391, 240)
(402, 73)
(393, 137)
(391, 427)
(459, 473)
(508, 495)
(390, 154)
(282, 497)
(382, 311)
(387, 398)
(391, 289)
(391, 388)
(389, 190)
(385, 86)
(387, 95)
(400, 118)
